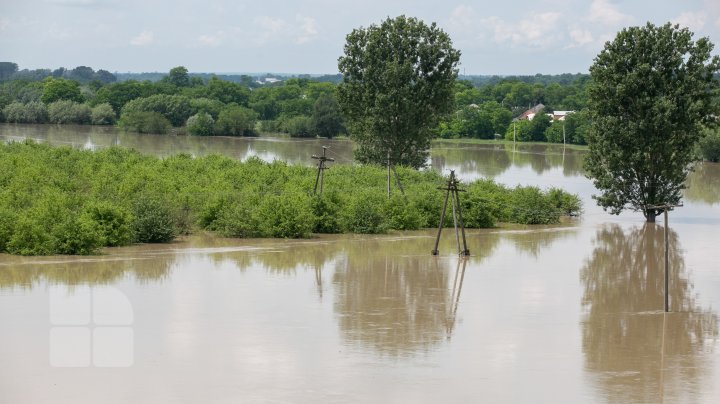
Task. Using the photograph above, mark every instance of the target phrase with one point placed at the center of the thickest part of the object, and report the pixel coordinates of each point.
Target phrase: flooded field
(568, 313)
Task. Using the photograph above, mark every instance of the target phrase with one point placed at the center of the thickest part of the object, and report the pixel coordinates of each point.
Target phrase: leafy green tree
(119, 94)
(102, 114)
(710, 146)
(178, 76)
(144, 122)
(520, 131)
(7, 69)
(201, 124)
(60, 89)
(538, 126)
(235, 120)
(176, 108)
(652, 89)
(299, 126)
(327, 119)
(398, 81)
(32, 112)
(66, 111)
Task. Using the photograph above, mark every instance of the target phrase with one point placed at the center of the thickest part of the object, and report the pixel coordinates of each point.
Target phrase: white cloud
(694, 21)
(537, 31)
(580, 37)
(144, 38)
(463, 18)
(604, 12)
(308, 29)
(211, 40)
(303, 30)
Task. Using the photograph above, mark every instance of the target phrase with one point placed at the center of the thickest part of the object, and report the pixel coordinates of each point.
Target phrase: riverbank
(59, 200)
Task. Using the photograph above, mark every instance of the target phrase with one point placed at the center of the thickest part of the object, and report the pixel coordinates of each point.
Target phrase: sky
(307, 36)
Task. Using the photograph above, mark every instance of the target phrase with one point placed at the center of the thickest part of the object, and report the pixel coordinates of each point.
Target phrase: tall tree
(7, 69)
(398, 81)
(652, 91)
(178, 76)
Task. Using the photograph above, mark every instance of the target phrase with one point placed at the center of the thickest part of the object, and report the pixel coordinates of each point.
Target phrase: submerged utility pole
(665, 208)
(452, 191)
(321, 168)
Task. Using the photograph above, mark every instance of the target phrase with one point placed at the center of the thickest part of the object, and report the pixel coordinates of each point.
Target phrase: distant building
(530, 114)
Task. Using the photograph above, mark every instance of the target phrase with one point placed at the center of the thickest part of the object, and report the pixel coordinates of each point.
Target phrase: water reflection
(703, 185)
(27, 274)
(633, 351)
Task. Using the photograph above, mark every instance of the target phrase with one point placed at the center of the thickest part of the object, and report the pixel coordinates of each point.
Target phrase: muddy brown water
(566, 313)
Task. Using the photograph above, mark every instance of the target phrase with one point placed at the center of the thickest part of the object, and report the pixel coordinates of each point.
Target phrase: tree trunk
(650, 215)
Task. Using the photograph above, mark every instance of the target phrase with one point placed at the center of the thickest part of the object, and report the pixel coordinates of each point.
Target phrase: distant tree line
(302, 106)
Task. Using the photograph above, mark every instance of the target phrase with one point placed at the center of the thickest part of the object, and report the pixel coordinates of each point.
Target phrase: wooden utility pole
(665, 208)
(321, 167)
(390, 167)
(453, 191)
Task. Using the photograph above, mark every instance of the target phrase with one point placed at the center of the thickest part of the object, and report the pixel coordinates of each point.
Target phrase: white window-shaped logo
(90, 326)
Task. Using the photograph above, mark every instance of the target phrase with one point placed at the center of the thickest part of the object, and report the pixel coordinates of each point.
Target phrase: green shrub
(175, 108)
(235, 121)
(206, 105)
(400, 215)
(299, 126)
(233, 218)
(103, 114)
(30, 237)
(325, 207)
(7, 227)
(286, 216)
(364, 215)
(111, 222)
(153, 221)
(32, 112)
(76, 237)
(200, 124)
(567, 204)
(67, 111)
(710, 146)
(145, 122)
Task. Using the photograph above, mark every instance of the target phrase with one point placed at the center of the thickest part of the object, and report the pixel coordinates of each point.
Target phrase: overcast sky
(307, 36)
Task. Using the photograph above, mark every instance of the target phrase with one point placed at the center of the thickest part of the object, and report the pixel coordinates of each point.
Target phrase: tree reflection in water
(634, 351)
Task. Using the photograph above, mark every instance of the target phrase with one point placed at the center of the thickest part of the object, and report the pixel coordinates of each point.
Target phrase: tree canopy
(398, 81)
(652, 90)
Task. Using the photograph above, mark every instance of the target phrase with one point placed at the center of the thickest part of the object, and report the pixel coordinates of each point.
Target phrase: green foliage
(67, 201)
(200, 124)
(327, 120)
(145, 122)
(520, 131)
(32, 112)
(119, 94)
(66, 111)
(235, 120)
(102, 114)
(299, 126)
(178, 76)
(710, 146)
(110, 221)
(206, 105)
(153, 221)
(60, 89)
(175, 108)
(398, 81)
(652, 89)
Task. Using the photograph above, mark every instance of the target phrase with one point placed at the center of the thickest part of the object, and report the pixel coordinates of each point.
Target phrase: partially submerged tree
(652, 91)
(398, 81)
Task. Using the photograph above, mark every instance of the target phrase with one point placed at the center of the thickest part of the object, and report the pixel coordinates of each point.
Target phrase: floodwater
(564, 314)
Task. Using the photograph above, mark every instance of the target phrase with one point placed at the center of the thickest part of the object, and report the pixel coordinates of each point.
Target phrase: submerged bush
(200, 124)
(32, 112)
(103, 114)
(145, 122)
(153, 221)
(710, 146)
(66, 201)
(67, 111)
